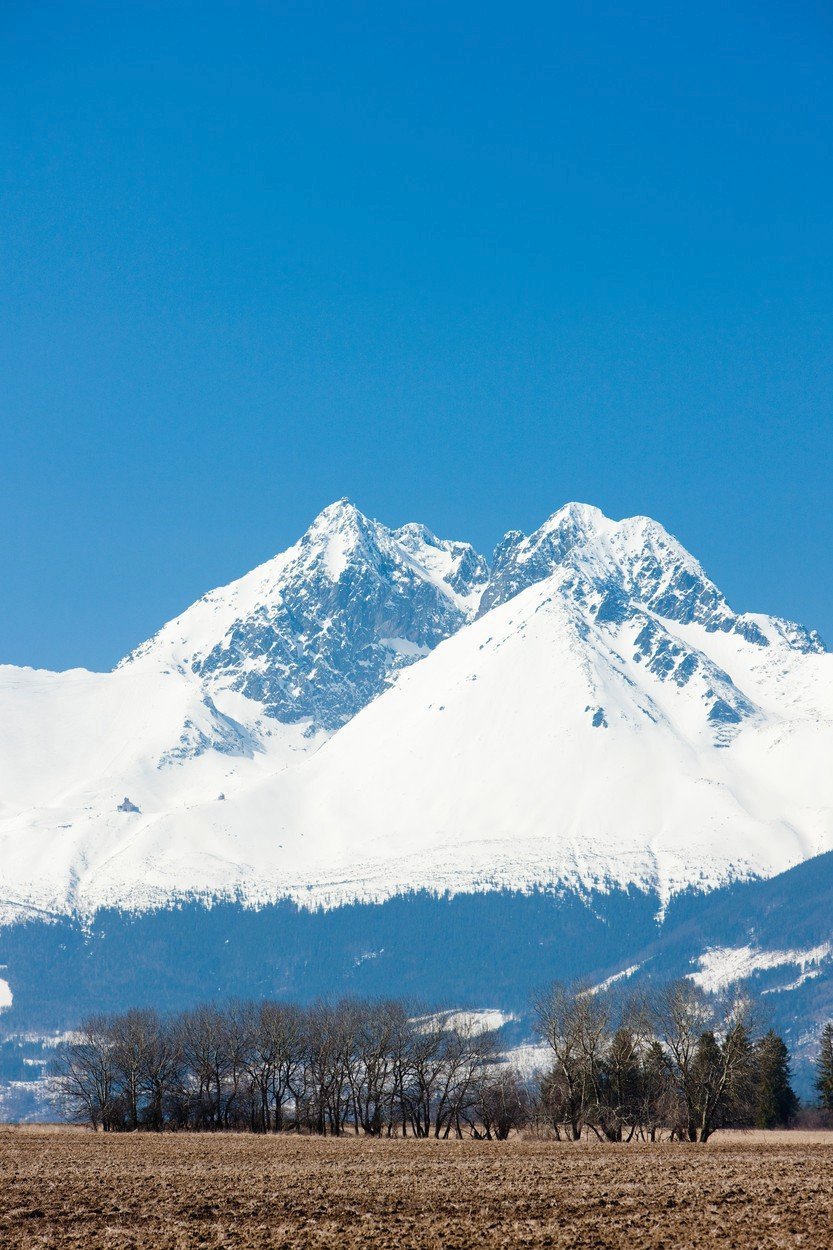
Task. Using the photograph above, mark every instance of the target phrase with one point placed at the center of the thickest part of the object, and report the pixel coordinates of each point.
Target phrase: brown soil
(68, 1188)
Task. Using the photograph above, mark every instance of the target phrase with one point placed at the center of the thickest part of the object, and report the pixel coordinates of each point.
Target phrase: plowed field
(67, 1188)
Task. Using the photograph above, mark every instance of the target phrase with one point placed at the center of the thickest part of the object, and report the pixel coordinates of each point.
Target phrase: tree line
(677, 1064)
(360, 1066)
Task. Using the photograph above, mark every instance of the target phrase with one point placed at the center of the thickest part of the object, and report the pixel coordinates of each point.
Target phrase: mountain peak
(586, 526)
(339, 512)
(459, 570)
(413, 532)
(585, 515)
(634, 564)
(318, 631)
(337, 533)
(342, 516)
(521, 560)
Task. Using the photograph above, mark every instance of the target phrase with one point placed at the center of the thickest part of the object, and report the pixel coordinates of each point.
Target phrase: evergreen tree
(775, 1103)
(824, 1068)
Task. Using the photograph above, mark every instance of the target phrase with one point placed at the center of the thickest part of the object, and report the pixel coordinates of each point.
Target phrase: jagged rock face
(213, 732)
(626, 567)
(334, 618)
(457, 565)
(631, 564)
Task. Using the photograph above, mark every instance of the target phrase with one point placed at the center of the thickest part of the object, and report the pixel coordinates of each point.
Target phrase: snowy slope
(606, 720)
(75, 745)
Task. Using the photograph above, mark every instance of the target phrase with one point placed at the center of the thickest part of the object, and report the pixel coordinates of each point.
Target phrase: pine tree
(775, 1103)
(824, 1068)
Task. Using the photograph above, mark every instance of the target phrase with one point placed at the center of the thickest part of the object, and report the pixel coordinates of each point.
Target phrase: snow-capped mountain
(317, 632)
(372, 713)
(242, 684)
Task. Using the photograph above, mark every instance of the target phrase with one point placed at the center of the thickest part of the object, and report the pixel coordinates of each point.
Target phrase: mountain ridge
(375, 710)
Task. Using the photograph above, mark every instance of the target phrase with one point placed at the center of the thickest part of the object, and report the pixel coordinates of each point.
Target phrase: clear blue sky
(459, 262)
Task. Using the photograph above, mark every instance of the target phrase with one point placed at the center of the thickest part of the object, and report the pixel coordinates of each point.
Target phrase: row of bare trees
(680, 1064)
(355, 1066)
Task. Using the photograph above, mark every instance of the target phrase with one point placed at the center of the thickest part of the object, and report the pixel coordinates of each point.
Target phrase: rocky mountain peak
(317, 632)
(632, 565)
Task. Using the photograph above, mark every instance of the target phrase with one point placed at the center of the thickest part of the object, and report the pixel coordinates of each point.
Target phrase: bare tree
(202, 1041)
(372, 1065)
(272, 1060)
(134, 1036)
(502, 1103)
(160, 1072)
(86, 1075)
(468, 1052)
(711, 1054)
(325, 1097)
(573, 1024)
(422, 1073)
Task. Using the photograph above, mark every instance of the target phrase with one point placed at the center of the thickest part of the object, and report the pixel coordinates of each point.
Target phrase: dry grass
(62, 1189)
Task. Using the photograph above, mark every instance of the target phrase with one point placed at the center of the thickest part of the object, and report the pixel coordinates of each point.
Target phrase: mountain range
(380, 722)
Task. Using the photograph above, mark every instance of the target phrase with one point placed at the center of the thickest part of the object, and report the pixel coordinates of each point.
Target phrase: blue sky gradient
(461, 263)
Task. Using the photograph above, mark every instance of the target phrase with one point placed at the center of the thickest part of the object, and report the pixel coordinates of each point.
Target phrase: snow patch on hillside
(722, 966)
(624, 975)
